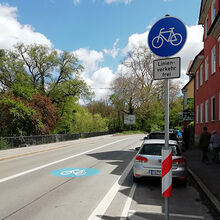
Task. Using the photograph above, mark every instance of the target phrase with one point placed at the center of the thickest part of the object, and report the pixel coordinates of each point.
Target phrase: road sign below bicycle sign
(75, 172)
(166, 68)
(167, 36)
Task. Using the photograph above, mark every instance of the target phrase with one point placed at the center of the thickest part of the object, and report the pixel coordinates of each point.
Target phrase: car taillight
(179, 160)
(141, 159)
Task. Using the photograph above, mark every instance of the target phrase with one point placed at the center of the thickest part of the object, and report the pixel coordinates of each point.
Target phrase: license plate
(155, 172)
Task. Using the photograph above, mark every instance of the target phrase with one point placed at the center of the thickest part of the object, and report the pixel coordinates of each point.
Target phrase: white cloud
(114, 51)
(90, 59)
(99, 78)
(135, 40)
(76, 2)
(113, 1)
(101, 81)
(192, 47)
(13, 32)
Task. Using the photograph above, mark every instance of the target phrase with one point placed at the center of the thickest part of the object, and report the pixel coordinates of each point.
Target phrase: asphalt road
(37, 186)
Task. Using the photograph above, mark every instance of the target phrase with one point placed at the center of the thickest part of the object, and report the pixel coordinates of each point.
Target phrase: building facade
(206, 70)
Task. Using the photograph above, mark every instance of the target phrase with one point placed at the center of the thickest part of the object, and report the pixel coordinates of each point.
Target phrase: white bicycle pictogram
(174, 38)
(76, 172)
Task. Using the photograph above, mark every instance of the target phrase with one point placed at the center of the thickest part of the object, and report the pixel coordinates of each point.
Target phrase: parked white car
(148, 160)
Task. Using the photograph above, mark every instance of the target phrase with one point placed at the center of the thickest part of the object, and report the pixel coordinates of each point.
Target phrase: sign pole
(167, 138)
(164, 46)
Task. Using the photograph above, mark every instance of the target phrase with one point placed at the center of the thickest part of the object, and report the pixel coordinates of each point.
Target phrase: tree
(42, 86)
(16, 118)
(46, 113)
(175, 107)
(84, 121)
(40, 62)
(11, 70)
(53, 74)
(135, 90)
(134, 87)
(102, 107)
(21, 117)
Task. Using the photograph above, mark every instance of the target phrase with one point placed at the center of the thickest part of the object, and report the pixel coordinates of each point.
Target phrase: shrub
(3, 144)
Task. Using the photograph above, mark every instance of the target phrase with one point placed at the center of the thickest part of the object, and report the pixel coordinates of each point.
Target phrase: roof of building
(196, 62)
(204, 7)
(190, 80)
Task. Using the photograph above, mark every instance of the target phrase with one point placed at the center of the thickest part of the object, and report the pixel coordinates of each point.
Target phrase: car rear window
(156, 136)
(172, 136)
(155, 149)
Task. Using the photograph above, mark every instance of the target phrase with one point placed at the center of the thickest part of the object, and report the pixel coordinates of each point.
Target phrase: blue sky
(99, 32)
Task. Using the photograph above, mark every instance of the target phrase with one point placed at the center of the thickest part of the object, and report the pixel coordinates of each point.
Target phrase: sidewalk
(29, 150)
(206, 175)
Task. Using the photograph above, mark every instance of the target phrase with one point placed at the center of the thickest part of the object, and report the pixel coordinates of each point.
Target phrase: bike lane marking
(102, 207)
(75, 172)
(57, 161)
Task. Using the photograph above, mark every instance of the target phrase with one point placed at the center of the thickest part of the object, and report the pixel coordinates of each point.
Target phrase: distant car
(161, 135)
(147, 162)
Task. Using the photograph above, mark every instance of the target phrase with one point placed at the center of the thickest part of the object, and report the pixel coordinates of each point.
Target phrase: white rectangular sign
(166, 68)
(129, 119)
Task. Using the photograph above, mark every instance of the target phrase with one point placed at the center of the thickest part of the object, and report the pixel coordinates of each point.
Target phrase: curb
(215, 202)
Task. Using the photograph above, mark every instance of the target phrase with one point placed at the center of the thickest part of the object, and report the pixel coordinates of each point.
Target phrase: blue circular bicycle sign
(167, 36)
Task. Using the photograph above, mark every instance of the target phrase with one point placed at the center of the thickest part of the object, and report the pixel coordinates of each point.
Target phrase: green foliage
(77, 119)
(41, 89)
(175, 108)
(67, 110)
(190, 104)
(99, 124)
(86, 122)
(39, 85)
(40, 62)
(19, 117)
(3, 144)
(71, 88)
(132, 132)
(23, 87)
(53, 74)
(16, 118)
(11, 70)
(178, 128)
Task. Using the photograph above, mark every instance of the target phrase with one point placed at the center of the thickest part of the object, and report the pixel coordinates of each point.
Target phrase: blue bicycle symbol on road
(75, 172)
(174, 38)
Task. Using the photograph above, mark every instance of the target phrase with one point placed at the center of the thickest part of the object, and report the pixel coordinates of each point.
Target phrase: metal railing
(24, 141)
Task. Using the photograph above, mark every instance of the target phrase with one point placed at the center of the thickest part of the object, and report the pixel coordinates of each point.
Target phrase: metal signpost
(167, 37)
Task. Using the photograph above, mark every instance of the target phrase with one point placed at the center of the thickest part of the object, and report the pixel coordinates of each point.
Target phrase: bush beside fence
(24, 141)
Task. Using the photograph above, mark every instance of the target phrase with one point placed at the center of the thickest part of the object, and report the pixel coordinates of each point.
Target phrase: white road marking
(55, 162)
(108, 198)
(128, 203)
